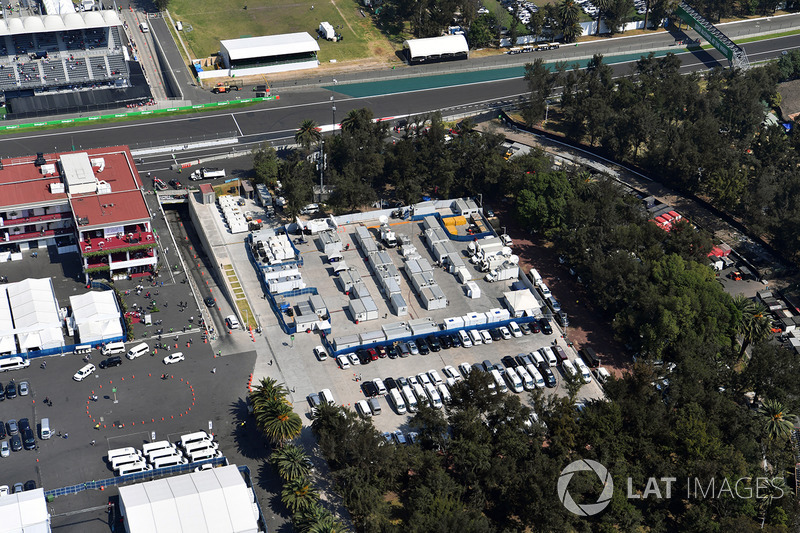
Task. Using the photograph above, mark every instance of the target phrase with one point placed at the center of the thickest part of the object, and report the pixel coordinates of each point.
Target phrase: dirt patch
(587, 327)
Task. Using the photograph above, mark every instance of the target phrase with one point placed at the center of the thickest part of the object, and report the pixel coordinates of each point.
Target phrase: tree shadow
(249, 441)
(270, 482)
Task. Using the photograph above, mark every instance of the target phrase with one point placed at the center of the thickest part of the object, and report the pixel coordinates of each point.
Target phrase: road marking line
(237, 125)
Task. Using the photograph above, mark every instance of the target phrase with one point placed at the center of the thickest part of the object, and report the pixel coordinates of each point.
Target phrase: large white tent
(432, 48)
(268, 46)
(8, 345)
(521, 303)
(211, 501)
(24, 512)
(96, 315)
(34, 308)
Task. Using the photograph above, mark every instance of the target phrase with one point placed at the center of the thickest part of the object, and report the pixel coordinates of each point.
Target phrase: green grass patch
(213, 21)
(246, 313)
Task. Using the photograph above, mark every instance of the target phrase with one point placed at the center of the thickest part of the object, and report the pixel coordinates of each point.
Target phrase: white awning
(24, 511)
(55, 22)
(97, 316)
(269, 46)
(215, 500)
(437, 46)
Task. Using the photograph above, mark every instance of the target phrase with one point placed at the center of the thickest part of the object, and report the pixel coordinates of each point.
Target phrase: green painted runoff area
(402, 85)
(144, 113)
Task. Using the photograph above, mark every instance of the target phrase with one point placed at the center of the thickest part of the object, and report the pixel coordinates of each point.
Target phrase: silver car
(23, 388)
(5, 451)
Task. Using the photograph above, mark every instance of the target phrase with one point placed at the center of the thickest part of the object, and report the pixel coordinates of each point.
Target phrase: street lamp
(333, 115)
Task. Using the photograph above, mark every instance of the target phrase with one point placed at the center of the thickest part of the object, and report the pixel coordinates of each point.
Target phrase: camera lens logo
(587, 509)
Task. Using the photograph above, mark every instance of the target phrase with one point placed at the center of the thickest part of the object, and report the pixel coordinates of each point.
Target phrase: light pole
(333, 115)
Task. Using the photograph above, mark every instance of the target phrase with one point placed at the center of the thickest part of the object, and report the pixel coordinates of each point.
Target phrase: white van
(513, 380)
(514, 328)
(120, 452)
(363, 408)
(179, 26)
(201, 445)
(545, 291)
(133, 468)
(433, 394)
(466, 342)
(583, 370)
(197, 436)
(169, 460)
(475, 336)
(549, 355)
(138, 350)
(527, 379)
(125, 460)
(537, 357)
(326, 396)
(112, 348)
(202, 455)
(411, 400)
(420, 393)
(13, 363)
(498, 380)
(164, 452)
(152, 447)
(144, 27)
(536, 375)
(45, 429)
(536, 278)
(569, 368)
(444, 392)
(399, 403)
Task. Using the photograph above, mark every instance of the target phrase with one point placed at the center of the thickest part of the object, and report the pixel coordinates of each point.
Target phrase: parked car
(5, 450)
(514, 329)
(353, 359)
(343, 361)
(547, 374)
(525, 328)
(423, 347)
(111, 362)
(455, 340)
(30, 485)
(172, 358)
(509, 362)
(380, 386)
(435, 377)
(412, 347)
(313, 400)
(12, 426)
(363, 357)
(84, 372)
(445, 341)
(390, 383)
(381, 349)
(2, 429)
(399, 437)
(505, 333)
(465, 368)
(535, 327)
(495, 334)
(451, 372)
(18, 487)
(16, 443)
(11, 390)
(369, 389)
(547, 329)
(23, 388)
(320, 352)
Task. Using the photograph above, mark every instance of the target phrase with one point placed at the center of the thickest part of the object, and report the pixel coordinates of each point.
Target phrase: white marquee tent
(35, 313)
(8, 345)
(96, 315)
(522, 303)
(446, 45)
(211, 501)
(24, 512)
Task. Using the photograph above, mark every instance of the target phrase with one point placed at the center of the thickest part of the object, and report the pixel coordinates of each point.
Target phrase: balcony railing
(10, 222)
(29, 236)
(128, 240)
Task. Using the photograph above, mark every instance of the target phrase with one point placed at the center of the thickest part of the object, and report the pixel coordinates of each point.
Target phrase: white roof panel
(269, 45)
(437, 46)
(59, 22)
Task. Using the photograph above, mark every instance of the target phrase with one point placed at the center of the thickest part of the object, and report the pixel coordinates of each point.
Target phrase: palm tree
(280, 423)
(753, 325)
(328, 524)
(779, 422)
(569, 13)
(267, 391)
(602, 8)
(291, 462)
(298, 494)
(307, 134)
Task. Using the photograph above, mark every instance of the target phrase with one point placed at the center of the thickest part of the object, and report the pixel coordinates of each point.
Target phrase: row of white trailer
(233, 215)
(383, 268)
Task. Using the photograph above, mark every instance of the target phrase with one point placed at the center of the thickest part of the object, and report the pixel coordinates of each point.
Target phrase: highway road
(276, 121)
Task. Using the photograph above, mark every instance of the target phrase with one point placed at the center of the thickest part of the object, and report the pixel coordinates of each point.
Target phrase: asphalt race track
(277, 120)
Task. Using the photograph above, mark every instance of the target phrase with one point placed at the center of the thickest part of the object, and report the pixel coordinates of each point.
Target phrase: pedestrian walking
(91, 443)
(214, 370)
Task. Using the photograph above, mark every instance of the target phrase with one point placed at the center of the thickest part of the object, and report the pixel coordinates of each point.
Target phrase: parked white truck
(504, 272)
(207, 173)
